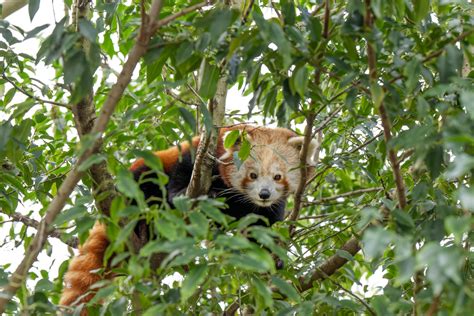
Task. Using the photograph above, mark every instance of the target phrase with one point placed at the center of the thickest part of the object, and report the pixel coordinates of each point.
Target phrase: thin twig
(303, 170)
(343, 195)
(172, 17)
(247, 12)
(369, 309)
(18, 88)
(434, 306)
(326, 19)
(17, 217)
(328, 119)
(304, 218)
(364, 144)
(392, 156)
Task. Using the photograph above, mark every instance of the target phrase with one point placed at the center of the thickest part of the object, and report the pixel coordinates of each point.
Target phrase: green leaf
(421, 8)
(457, 226)
(195, 277)
(209, 80)
(467, 101)
(466, 196)
(434, 160)
(375, 241)
(87, 29)
(244, 151)
(286, 289)
(150, 159)
(443, 263)
(404, 259)
(344, 254)
(103, 293)
(314, 27)
(188, 118)
(377, 94)
(449, 63)
(70, 214)
(288, 11)
(263, 291)
(231, 138)
(377, 8)
(272, 32)
(247, 263)
(127, 185)
(92, 160)
(9, 96)
(199, 224)
(217, 21)
(460, 166)
(299, 81)
(33, 6)
(167, 246)
(36, 30)
(125, 233)
(5, 132)
(213, 212)
(412, 71)
(403, 218)
(74, 67)
(166, 229)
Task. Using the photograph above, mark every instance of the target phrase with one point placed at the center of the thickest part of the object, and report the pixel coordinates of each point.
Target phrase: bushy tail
(82, 272)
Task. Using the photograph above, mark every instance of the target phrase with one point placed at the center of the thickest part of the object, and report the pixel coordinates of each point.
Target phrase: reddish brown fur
(259, 134)
(168, 156)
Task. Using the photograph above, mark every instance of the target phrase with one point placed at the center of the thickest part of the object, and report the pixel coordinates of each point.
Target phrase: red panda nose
(264, 194)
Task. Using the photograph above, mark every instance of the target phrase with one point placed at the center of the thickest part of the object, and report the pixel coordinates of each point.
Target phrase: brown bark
(17, 217)
(392, 156)
(330, 266)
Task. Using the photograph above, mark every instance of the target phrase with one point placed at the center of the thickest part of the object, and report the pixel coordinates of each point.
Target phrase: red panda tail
(82, 269)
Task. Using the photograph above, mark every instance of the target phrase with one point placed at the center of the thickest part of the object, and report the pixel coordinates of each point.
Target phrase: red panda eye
(253, 175)
(277, 177)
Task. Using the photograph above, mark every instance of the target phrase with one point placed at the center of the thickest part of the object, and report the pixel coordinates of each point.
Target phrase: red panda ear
(313, 151)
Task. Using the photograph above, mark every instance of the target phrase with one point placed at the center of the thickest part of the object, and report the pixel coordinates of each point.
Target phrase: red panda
(260, 185)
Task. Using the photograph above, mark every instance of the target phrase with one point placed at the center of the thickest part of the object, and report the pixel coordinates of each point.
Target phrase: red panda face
(264, 177)
(272, 170)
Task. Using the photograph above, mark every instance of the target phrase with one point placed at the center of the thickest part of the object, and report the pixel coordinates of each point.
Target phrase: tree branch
(18, 277)
(202, 171)
(434, 306)
(330, 266)
(84, 114)
(11, 6)
(30, 95)
(392, 156)
(308, 133)
(56, 233)
(327, 9)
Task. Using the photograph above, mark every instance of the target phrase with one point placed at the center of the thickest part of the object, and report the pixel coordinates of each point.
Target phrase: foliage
(280, 57)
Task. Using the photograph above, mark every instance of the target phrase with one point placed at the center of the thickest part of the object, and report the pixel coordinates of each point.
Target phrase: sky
(48, 13)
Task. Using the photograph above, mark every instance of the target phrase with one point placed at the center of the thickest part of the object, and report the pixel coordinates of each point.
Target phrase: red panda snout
(263, 190)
